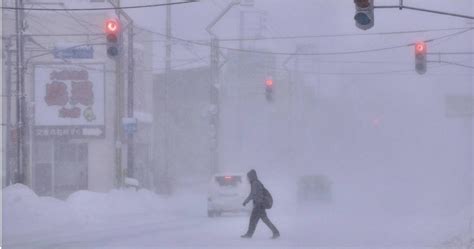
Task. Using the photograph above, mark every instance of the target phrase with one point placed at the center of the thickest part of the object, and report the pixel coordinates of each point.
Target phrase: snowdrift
(25, 212)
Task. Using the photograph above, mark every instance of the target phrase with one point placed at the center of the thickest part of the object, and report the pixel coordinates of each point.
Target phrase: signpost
(74, 52)
(129, 125)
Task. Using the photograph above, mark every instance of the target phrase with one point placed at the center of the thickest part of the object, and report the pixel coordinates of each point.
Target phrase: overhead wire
(454, 64)
(77, 20)
(340, 35)
(452, 53)
(318, 53)
(99, 9)
(334, 53)
(353, 51)
(349, 73)
(463, 30)
(286, 37)
(194, 53)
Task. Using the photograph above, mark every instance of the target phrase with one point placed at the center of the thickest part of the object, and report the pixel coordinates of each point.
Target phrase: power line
(140, 69)
(454, 64)
(351, 52)
(64, 35)
(77, 20)
(339, 35)
(359, 62)
(66, 14)
(313, 54)
(352, 73)
(194, 53)
(401, 6)
(453, 53)
(39, 23)
(449, 35)
(104, 8)
(290, 37)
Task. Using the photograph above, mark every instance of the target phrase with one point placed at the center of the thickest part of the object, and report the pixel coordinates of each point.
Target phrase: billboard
(69, 100)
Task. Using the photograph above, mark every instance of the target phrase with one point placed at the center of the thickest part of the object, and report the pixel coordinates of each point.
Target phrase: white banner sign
(69, 95)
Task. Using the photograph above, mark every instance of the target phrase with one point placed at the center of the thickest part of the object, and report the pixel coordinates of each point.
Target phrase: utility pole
(130, 100)
(214, 99)
(22, 147)
(241, 29)
(8, 93)
(168, 49)
(471, 157)
(252, 24)
(291, 89)
(214, 89)
(168, 39)
(118, 106)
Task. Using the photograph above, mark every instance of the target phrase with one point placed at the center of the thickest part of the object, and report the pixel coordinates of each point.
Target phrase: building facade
(76, 98)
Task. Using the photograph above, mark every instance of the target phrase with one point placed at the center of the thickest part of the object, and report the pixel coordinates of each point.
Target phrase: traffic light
(269, 89)
(364, 16)
(420, 57)
(112, 32)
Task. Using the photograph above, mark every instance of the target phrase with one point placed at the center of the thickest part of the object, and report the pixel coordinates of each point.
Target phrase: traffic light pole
(164, 175)
(118, 105)
(401, 7)
(130, 93)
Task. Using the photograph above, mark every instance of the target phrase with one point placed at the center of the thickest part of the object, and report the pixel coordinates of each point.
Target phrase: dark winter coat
(257, 189)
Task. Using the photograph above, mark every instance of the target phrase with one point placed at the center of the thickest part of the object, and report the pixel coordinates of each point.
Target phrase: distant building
(182, 130)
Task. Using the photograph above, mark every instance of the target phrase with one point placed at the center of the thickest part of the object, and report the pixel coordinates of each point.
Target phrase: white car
(227, 192)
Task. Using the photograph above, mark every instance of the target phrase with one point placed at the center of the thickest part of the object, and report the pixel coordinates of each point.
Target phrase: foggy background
(399, 161)
(383, 138)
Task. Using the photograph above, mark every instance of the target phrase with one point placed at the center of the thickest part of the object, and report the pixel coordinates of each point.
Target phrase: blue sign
(130, 128)
(129, 125)
(78, 52)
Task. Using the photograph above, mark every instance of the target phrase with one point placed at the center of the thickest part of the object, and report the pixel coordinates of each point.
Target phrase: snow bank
(25, 212)
(89, 207)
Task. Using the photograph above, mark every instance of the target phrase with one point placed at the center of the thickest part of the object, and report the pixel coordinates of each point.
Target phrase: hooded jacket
(256, 192)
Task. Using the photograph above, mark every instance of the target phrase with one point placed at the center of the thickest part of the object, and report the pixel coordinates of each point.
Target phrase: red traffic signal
(112, 26)
(112, 33)
(269, 82)
(420, 57)
(269, 89)
(420, 48)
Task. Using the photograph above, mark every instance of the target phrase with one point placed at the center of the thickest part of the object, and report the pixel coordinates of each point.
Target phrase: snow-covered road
(91, 220)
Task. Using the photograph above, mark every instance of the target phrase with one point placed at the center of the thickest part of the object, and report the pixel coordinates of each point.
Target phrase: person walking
(262, 200)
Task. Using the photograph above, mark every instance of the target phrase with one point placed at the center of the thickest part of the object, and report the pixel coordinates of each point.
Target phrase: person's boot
(276, 235)
(246, 236)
